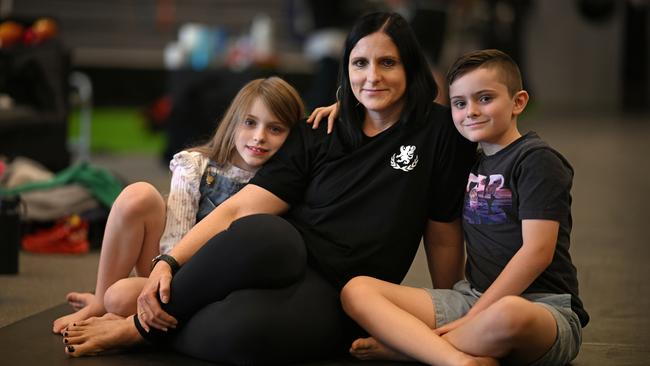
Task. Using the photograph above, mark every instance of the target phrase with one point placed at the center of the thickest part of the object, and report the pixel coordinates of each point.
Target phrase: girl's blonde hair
(278, 96)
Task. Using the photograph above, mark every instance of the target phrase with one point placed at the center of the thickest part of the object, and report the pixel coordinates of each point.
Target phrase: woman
(254, 287)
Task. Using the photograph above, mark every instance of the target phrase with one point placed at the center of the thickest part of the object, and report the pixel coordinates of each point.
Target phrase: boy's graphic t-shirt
(486, 199)
(525, 180)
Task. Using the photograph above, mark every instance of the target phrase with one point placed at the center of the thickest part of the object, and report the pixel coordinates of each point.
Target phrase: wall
(573, 63)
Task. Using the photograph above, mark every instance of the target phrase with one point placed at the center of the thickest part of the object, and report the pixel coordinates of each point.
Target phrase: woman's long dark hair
(421, 89)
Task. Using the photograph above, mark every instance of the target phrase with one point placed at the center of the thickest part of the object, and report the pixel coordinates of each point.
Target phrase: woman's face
(377, 75)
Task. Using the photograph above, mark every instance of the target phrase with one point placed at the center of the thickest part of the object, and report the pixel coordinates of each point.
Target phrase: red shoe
(69, 236)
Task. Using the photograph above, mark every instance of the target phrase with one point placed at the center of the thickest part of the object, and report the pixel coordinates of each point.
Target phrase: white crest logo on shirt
(406, 160)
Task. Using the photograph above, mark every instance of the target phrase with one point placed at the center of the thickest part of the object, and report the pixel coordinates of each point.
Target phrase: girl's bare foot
(371, 349)
(100, 335)
(79, 300)
(94, 308)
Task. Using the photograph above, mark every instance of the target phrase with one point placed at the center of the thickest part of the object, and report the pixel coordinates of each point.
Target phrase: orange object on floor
(67, 236)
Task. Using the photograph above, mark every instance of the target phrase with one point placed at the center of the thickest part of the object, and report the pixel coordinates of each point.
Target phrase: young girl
(141, 226)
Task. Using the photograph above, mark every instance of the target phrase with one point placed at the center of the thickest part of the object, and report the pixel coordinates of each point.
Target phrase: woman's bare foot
(94, 308)
(100, 335)
(79, 300)
(371, 349)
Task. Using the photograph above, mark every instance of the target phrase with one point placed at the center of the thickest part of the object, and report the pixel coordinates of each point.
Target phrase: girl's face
(258, 137)
(377, 75)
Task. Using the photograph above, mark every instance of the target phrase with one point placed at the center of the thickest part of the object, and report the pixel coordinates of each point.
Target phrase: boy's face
(483, 110)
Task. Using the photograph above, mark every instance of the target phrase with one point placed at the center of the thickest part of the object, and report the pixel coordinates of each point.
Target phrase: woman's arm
(443, 244)
(331, 112)
(249, 200)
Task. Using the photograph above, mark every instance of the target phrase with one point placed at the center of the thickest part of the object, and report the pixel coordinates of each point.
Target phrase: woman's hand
(331, 112)
(149, 311)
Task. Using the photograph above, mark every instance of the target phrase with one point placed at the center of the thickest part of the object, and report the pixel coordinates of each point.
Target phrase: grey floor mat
(30, 342)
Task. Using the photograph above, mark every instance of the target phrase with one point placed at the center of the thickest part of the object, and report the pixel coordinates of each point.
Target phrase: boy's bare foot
(478, 361)
(92, 309)
(100, 335)
(371, 349)
(79, 300)
(487, 361)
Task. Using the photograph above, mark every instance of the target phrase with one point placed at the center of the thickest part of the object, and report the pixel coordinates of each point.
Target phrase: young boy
(520, 301)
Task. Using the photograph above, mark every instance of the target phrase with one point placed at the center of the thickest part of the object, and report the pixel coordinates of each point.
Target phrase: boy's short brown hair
(507, 67)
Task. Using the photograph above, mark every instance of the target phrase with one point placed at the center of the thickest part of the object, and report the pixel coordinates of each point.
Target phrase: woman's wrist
(171, 262)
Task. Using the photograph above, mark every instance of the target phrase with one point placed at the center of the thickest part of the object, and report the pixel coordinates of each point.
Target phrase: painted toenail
(70, 349)
(65, 340)
(65, 334)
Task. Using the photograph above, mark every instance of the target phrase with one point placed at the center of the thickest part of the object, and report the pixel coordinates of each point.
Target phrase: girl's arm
(183, 200)
(249, 200)
(443, 244)
(534, 256)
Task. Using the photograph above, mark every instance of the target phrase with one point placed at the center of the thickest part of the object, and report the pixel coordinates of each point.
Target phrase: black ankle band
(153, 336)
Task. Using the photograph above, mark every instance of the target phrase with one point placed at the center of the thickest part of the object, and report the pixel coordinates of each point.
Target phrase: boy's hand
(331, 112)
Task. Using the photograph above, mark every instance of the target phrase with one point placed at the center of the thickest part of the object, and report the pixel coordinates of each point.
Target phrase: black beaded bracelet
(173, 264)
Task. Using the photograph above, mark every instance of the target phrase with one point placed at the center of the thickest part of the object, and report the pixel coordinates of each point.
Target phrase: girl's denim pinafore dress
(214, 189)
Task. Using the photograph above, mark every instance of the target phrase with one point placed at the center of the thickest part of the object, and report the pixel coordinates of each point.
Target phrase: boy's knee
(511, 318)
(354, 293)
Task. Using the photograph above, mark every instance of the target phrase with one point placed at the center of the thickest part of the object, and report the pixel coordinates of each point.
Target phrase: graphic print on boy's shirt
(486, 200)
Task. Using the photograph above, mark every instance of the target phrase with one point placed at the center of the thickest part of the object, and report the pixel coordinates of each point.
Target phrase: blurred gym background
(122, 85)
(158, 73)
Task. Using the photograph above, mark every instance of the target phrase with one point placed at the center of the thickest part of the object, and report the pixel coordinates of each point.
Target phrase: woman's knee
(137, 200)
(270, 239)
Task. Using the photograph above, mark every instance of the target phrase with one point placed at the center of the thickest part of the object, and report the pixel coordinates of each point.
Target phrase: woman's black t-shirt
(362, 211)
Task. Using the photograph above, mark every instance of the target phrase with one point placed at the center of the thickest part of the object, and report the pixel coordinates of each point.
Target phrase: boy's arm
(534, 256)
(443, 244)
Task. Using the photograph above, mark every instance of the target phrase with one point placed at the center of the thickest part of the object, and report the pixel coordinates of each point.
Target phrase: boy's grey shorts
(455, 303)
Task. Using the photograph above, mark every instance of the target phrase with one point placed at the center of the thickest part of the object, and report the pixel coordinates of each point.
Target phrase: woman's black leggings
(249, 297)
